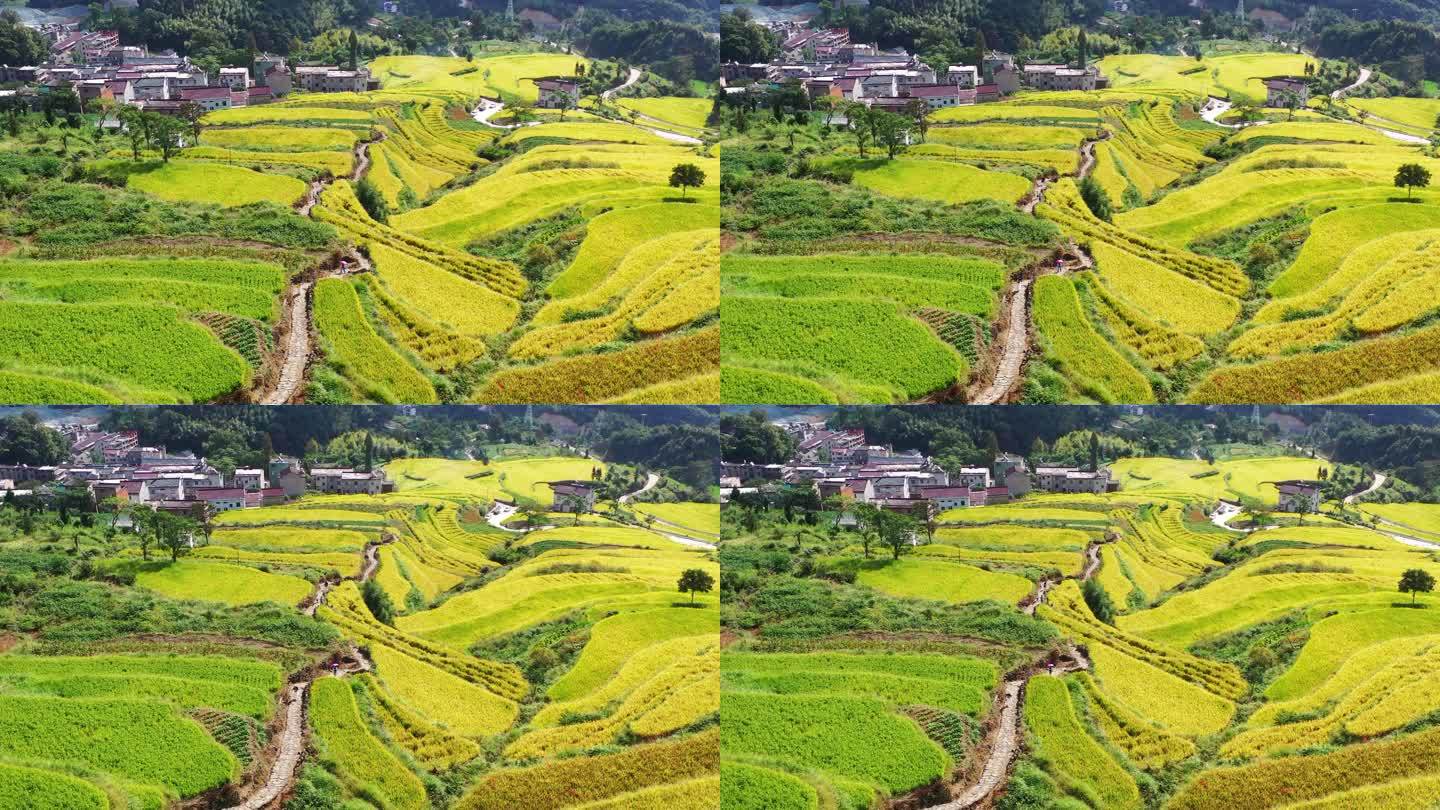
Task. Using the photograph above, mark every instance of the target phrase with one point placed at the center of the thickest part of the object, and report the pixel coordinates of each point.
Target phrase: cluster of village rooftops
(842, 463)
(827, 64)
(106, 465)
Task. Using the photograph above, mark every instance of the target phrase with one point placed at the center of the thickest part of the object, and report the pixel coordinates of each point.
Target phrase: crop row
(697, 259)
(344, 608)
(1082, 354)
(672, 698)
(362, 761)
(1163, 348)
(148, 347)
(436, 347)
(1309, 377)
(466, 707)
(1146, 745)
(435, 748)
(1067, 748)
(366, 361)
(598, 377)
(569, 782)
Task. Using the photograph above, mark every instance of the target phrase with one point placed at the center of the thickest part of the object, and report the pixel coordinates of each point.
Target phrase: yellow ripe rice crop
(1180, 303)
(449, 701)
(1072, 343)
(292, 139)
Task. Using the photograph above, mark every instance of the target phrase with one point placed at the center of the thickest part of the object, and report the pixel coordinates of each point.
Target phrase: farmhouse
(572, 496)
(972, 477)
(1064, 77)
(947, 497)
(1299, 496)
(331, 79)
(221, 499)
(1280, 89)
(249, 480)
(1073, 479)
(345, 481)
(557, 92)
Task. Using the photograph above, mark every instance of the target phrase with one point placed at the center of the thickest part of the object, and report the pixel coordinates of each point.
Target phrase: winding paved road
(635, 74)
(1345, 91)
(1379, 481)
(650, 483)
(1017, 343)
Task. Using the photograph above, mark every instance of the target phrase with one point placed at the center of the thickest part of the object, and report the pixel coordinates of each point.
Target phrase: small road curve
(501, 512)
(650, 483)
(292, 745)
(1224, 513)
(1017, 343)
(1215, 109)
(1345, 91)
(297, 348)
(635, 74)
(1379, 481)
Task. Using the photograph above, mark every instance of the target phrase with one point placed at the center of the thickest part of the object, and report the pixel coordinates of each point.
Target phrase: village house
(221, 499)
(947, 497)
(1299, 496)
(209, 98)
(1280, 89)
(557, 91)
(345, 481)
(249, 480)
(572, 496)
(330, 79)
(1073, 479)
(235, 78)
(972, 477)
(1064, 77)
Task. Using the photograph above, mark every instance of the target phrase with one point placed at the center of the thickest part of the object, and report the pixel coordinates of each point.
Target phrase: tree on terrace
(686, 176)
(1411, 176)
(1415, 581)
(891, 131)
(166, 134)
(191, 113)
(696, 580)
(896, 531)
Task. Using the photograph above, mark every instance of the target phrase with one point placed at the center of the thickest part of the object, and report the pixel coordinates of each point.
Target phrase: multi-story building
(572, 496)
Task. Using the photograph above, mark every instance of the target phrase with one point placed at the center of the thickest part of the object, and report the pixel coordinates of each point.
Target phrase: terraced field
(1271, 263)
(1229, 666)
(539, 666)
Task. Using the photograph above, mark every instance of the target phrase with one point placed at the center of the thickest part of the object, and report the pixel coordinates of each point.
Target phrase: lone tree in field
(1410, 176)
(1415, 581)
(696, 580)
(896, 531)
(686, 176)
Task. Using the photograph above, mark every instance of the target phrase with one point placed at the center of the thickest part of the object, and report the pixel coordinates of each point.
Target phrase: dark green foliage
(378, 601)
(74, 613)
(544, 651)
(788, 213)
(1264, 247)
(1099, 601)
(1097, 199)
(695, 580)
(1261, 651)
(75, 214)
(24, 440)
(1416, 581)
(790, 608)
(372, 200)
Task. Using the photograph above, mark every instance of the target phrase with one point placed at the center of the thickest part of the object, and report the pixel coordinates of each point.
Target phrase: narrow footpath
(289, 740)
(1004, 740)
(296, 342)
(1017, 345)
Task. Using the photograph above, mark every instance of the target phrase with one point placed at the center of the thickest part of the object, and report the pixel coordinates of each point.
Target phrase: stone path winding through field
(297, 347)
(1003, 741)
(1017, 344)
(297, 341)
(292, 745)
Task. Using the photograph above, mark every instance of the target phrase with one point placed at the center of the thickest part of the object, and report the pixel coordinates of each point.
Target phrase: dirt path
(297, 348)
(1017, 345)
(1374, 485)
(1037, 195)
(1092, 561)
(372, 563)
(1087, 160)
(297, 341)
(292, 745)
